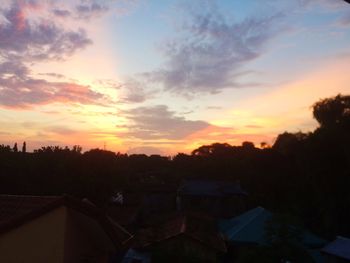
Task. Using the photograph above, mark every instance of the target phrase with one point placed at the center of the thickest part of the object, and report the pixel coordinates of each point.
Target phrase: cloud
(134, 95)
(91, 9)
(345, 19)
(28, 37)
(214, 107)
(53, 75)
(108, 83)
(326, 4)
(35, 40)
(61, 130)
(148, 150)
(212, 51)
(14, 68)
(88, 9)
(63, 13)
(134, 91)
(26, 92)
(158, 122)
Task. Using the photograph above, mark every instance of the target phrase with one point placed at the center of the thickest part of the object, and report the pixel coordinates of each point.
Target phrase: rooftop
(249, 227)
(199, 229)
(339, 248)
(16, 210)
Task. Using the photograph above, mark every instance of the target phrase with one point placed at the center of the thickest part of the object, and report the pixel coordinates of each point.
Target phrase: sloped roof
(339, 248)
(13, 207)
(16, 210)
(246, 228)
(124, 215)
(191, 226)
(249, 227)
(210, 188)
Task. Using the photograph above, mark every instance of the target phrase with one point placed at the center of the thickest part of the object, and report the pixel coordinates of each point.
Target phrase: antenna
(104, 146)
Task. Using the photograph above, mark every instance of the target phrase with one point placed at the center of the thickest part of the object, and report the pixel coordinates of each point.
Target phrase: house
(337, 251)
(140, 205)
(56, 229)
(184, 238)
(215, 198)
(249, 229)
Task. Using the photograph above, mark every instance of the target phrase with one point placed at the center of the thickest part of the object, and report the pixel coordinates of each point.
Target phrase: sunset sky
(161, 77)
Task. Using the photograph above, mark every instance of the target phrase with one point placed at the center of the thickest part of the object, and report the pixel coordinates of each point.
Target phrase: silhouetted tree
(214, 149)
(15, 148)
(332, 111)
(248, 145)
(24, 147)
(5, 148)
(264, 145)
(287, 142)
(77, 149)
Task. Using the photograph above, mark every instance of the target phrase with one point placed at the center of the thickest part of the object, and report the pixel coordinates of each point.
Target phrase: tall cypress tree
(24, 147)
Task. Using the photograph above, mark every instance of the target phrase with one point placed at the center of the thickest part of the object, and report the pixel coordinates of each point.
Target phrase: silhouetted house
(56, 229)
(337, 251)
(249, 229)
(141, 205)
(181, 239)
(216, 198)
(159, 198)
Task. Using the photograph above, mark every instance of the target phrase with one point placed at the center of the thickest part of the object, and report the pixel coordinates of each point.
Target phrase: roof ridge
(261, 209)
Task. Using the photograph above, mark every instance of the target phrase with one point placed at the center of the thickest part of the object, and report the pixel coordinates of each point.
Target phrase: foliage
(332, 111)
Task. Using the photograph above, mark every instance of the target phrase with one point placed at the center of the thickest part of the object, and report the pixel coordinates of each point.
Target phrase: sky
(162, 77)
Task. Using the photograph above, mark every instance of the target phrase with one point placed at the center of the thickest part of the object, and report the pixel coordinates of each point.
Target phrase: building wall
(85, 240)
(38, 241)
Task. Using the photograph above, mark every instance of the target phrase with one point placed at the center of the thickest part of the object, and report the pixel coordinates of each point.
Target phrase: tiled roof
(192, 227)
(339, 248)
(16, 210)
(246, 228)
(210, 188)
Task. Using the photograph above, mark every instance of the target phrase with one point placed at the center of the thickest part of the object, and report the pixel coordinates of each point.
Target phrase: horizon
(19, 146)
(162, 78)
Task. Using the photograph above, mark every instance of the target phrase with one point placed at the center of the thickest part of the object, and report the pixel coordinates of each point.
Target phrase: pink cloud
(24, 94)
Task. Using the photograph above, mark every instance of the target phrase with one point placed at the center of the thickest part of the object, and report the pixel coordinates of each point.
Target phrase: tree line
(304, 174)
